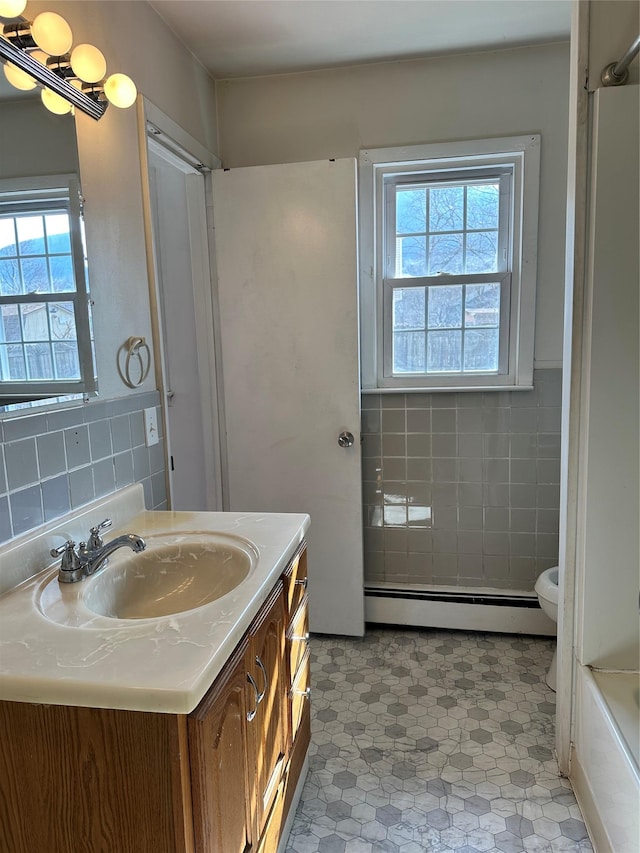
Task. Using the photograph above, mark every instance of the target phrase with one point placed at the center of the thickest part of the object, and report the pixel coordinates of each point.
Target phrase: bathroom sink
(171, 576)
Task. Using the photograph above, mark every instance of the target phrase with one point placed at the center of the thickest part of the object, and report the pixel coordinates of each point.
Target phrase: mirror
(37, 338)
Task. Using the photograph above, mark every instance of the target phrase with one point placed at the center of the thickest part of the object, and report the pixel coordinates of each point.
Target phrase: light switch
(150, 427)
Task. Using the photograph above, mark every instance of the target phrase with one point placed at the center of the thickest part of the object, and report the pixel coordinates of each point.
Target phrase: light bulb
(55, 103)
(120, 90)
(88, 63)
(19, 78)
(52, 33)
(12, 8)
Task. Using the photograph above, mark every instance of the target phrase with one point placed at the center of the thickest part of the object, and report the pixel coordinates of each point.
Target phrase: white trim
(458, 616)
(37, 195)
(444, 388)
(180, 138)
(522, 154)
(171, 144)
(573, 423)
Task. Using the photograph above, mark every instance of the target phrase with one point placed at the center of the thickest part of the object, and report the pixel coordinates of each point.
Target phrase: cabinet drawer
(273, 827)
(295, 579)
(300, 692)
(298, 637)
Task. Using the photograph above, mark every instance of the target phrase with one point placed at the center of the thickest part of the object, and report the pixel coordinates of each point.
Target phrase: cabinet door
(269, 728)
(221, 756)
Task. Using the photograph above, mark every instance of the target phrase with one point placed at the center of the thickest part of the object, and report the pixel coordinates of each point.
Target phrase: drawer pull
(251, 714)
(266, 679)
(301, 637)
(303, 582)
(306, 693)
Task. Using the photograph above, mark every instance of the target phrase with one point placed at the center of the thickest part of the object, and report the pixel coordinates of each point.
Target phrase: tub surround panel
(462, 489)
(60, 460)
(604, 770)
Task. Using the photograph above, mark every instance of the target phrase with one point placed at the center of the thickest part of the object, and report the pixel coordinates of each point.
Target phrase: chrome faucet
(92, 561)
(92, 556)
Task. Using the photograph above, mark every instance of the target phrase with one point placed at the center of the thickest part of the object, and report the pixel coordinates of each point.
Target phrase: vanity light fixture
(12, 8)
(38, 53)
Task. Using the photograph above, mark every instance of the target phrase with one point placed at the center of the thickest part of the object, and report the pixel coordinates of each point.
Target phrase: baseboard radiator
(464, 609)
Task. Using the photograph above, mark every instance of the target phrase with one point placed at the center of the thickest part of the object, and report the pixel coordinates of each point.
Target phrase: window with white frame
(45, 324)
(448, 259)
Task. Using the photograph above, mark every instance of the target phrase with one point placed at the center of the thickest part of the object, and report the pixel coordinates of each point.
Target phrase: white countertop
(165, 664)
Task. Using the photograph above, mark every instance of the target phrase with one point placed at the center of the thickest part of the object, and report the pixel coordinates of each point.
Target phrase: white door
(286, 254)
(183, 284)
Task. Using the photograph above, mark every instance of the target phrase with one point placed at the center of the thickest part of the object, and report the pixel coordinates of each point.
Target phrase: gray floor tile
(437, 741)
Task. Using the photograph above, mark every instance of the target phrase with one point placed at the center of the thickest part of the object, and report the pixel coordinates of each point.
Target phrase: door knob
(346, 439)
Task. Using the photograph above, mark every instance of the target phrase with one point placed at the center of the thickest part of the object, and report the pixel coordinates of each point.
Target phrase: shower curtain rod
(617, 73)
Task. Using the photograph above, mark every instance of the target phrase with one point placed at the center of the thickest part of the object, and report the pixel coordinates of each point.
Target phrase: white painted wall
(24, 123)
(335, 113)
(135, 41)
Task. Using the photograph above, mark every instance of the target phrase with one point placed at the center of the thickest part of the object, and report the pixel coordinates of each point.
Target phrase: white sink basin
(169, 577)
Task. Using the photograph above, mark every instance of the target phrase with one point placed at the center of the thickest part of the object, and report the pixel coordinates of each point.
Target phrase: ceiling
(242, 38)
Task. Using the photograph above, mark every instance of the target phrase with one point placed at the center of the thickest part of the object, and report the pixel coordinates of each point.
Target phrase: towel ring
(138, 350)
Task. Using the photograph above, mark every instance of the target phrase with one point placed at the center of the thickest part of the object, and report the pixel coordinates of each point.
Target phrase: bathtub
(605, 762)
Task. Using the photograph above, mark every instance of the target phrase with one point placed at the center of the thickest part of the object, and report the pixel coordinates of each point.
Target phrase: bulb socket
(19, 34)
(60, 65)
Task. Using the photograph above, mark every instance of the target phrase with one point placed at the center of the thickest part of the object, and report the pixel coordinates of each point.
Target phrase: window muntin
(45, 331)
(450, 237)
(430, 219)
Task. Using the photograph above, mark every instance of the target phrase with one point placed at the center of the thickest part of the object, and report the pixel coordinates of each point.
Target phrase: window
(448, 260)
(45, 327)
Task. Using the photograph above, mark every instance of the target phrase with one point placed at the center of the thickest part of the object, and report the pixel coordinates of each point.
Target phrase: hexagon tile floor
(434, 741)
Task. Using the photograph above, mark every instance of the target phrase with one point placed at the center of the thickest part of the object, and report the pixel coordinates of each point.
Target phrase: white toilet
(547, 590)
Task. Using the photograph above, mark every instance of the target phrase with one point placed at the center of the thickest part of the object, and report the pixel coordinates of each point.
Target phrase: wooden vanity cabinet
(269, 729)
(221, 761)
(219, 780)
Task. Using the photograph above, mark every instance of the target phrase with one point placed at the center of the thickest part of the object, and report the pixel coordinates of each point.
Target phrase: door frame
(176, 146)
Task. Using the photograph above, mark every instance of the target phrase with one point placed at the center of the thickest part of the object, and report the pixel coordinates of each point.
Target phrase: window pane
(445, 254)
(35, 275)
(12, 362)
(482, 305)
(408, 352)
(411, 211)
(481, 350)
(482, 252)
(411, 256)
(444, 352)
(408, 308)
(62, 320)
(446, 209)
(66, 360)
(10, 326)
(30, 235)
(445, 307)
(7, 237)
(39, 364)
(34, 322)
(10, 283)
(483, 206)
(62, 273)
(58, 239)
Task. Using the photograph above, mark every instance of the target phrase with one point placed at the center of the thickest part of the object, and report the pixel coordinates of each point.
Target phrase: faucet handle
(95, 540)
(70, 566)
(65, 551)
